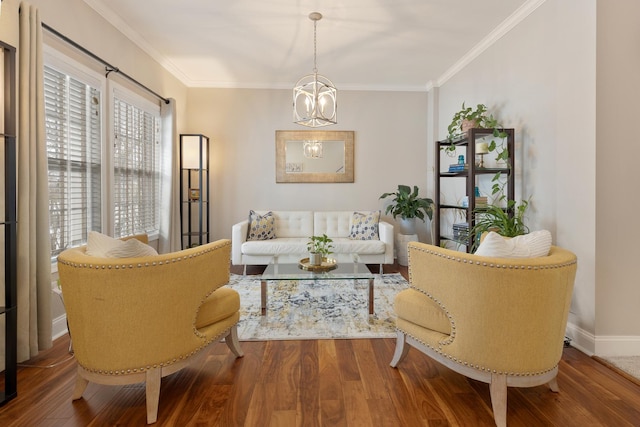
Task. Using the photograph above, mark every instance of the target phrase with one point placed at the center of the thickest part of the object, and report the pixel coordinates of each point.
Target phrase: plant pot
(315, 259)
(407, 225)
(468, 124)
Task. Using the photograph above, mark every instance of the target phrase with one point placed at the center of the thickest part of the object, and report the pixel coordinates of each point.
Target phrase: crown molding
(507, 25)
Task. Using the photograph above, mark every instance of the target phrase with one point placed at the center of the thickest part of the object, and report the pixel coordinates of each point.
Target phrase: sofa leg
(381, 269)
(232, 341)
(244, 269)
(401, 349)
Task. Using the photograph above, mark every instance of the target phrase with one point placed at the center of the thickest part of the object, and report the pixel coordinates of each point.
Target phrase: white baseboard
(612, 345)
(604, 345)
(59, 327)
(581, 339)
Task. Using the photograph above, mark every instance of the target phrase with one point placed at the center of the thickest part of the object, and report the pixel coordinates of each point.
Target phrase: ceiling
(361, 44)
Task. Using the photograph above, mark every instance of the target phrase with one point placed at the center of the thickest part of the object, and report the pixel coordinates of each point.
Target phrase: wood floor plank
(309, 384)
(320, 383)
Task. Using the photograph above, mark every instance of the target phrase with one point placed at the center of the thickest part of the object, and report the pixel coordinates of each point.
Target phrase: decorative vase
(407, 226)
(315, 258)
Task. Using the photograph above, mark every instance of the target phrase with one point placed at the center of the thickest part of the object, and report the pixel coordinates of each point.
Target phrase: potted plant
(498, 219)
(467, 118)
(408, 206)
(319, 248)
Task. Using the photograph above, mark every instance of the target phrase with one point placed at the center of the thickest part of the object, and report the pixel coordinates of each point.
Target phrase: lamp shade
(482, 148)
(194, 152)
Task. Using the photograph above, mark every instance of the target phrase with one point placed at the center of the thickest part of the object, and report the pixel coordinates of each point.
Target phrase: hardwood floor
(319, 383)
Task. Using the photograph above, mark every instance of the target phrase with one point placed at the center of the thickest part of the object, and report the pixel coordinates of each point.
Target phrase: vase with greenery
(319, 248)
(507, 221)
(408, 205)
(478, 117)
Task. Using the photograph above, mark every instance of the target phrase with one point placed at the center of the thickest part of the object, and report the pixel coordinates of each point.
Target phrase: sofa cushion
(332, 223)
(261, 227)
(534, 244)
(364, 226)
(281, 245)
(345, 245)
(103, 246)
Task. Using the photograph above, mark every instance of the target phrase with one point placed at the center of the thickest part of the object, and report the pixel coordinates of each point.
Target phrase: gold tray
(327, 264)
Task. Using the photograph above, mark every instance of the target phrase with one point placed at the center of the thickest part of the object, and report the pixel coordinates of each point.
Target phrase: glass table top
(292, 271)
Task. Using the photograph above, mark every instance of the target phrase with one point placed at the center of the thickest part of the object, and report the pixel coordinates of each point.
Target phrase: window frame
(109, 90)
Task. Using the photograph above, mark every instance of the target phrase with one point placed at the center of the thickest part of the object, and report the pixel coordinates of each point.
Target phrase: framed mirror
(314, 156)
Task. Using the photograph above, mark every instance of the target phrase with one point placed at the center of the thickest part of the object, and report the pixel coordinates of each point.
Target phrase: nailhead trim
(154, 264)
(160, 365)
(140, 265)
(450, 317)
(474, 366)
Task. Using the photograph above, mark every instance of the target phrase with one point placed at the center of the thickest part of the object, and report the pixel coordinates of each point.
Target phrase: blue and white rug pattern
(308, 309)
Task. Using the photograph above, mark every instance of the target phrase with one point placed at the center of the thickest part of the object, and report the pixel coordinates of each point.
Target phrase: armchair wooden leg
(498, 390)
(154, 378)
(81, 385)
(553, 385)
(232, 341)
(401, 349)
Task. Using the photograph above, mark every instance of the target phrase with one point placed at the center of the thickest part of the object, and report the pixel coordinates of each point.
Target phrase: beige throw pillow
(261, 227)
(364, 226)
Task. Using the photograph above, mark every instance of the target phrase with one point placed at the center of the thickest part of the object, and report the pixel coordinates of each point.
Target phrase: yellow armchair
(496, 320)
(139, 319)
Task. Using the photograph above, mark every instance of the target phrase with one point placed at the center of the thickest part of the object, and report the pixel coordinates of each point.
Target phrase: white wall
(539, 78)
(390, 149)
(618, 153)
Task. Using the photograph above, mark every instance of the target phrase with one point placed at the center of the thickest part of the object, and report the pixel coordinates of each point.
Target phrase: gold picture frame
(332, 163)
(194, 194)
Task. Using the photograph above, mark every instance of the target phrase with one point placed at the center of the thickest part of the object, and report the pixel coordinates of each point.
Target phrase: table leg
(263, 296)
(371, 296)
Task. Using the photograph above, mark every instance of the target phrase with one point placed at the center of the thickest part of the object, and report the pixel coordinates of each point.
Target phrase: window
(73, 134)
(109, 184)
(136, 176)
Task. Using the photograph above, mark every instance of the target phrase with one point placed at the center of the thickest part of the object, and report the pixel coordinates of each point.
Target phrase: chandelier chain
(315, 62)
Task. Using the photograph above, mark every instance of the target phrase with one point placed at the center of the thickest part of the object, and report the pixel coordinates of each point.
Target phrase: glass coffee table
(353, 270)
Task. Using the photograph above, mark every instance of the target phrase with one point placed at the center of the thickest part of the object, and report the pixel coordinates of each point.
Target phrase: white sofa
(293, 229)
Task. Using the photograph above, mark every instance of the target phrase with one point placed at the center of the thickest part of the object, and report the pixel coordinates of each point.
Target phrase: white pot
(315, 259)
(407, 225)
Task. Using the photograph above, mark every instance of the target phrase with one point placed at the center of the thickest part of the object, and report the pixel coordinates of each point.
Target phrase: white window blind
(136, 169)
(72, 124)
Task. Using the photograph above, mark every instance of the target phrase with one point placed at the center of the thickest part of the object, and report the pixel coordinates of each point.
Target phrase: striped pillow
(532, 245)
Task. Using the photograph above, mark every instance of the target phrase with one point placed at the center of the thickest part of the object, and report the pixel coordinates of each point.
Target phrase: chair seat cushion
(417, 308)
(222, 303)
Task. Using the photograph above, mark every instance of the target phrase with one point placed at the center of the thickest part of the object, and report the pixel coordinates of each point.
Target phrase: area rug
(320, 309)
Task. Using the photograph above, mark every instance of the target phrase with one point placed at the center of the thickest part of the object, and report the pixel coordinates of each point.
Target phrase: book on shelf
(461, 231)
(481, 201)
(456, 167)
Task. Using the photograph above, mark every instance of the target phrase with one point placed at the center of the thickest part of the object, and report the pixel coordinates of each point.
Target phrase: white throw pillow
(132, 248)
(103, 246)
(99, 244)
(532, 245)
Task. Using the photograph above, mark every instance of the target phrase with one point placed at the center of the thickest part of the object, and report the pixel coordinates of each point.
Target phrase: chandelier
(313, 149)
(314, 96)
